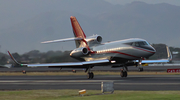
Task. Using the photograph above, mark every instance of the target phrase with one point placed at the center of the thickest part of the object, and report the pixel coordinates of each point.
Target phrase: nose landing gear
(140, 66)
(140, 69)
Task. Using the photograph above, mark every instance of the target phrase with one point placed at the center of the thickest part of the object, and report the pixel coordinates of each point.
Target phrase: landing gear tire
(123, 73)
(90, 75)
(140, 69)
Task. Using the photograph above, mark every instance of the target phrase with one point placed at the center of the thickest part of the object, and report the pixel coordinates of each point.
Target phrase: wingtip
(43, 42)
(169, 54)
(14, 59)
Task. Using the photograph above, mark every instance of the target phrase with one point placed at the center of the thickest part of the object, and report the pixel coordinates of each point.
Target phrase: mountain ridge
(157, 23)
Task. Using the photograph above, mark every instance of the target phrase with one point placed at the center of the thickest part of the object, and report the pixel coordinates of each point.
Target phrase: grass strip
(90, 95)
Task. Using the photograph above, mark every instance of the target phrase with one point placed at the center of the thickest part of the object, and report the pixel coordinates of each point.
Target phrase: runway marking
(54, 81)
(98, 83)
(147, 83)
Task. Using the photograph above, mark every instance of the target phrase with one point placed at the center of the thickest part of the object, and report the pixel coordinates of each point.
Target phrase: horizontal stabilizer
(62, 40)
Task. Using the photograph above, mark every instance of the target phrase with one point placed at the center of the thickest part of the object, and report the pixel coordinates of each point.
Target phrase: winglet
(169, 54)
(169, 58)
(15, 60)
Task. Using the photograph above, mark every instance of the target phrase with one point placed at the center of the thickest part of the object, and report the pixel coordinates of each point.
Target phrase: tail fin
(78, 32)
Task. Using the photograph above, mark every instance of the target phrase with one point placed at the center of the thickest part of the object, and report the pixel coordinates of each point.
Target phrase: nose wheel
(140, 66)
(140, 69)
(90, 75)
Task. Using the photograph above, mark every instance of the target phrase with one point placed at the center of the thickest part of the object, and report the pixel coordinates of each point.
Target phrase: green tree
(3, 60)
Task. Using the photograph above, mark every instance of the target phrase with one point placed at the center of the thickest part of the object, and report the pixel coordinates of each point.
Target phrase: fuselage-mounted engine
(94, 40)
(79, 52)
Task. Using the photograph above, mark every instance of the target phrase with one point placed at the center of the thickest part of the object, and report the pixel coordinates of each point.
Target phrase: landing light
(113, 61)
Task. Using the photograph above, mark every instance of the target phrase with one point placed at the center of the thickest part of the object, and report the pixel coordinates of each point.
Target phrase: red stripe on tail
(78, 32)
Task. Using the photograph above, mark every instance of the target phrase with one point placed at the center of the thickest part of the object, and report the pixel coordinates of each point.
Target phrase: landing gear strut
(140, 65)
(90, 75)
(123, 73)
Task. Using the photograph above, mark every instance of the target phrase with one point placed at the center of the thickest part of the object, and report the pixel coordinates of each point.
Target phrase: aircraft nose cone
(149, 48)
(154, 50)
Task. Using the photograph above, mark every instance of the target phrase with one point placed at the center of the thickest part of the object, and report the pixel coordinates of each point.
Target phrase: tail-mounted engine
(95, 39)
(79, 52)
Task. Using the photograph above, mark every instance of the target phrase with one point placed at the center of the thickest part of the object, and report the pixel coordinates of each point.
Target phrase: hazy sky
(122, 2)
(15, 13)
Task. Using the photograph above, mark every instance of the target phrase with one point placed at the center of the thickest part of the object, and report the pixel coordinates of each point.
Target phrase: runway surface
(96, 68)
(132, 82)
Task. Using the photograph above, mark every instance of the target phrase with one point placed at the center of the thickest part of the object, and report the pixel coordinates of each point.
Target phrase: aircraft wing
(62, 40)
(71, 64)
(160, 60)
(6, 66)
(155, 61)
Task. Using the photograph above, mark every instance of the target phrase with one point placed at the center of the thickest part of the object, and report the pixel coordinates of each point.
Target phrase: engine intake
(99, 39)
(79, 52)
(95, 39)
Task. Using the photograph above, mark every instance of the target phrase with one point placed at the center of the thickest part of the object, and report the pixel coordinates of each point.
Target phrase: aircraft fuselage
(131, 49)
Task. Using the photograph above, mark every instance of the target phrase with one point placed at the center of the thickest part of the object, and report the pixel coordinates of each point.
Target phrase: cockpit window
(135, 44)
(140, 43)
(143, 43)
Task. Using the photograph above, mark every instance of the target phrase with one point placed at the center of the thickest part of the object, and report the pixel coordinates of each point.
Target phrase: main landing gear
(90, 75)
(124, 72)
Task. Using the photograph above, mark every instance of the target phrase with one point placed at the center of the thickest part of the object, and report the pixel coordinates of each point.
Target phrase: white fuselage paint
(120, 49)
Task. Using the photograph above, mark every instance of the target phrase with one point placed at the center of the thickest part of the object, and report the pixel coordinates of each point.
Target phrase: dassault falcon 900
(91, 52)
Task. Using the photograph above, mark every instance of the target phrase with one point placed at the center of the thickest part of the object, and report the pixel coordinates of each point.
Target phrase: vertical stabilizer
(77, 30)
